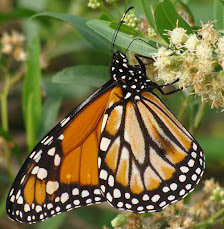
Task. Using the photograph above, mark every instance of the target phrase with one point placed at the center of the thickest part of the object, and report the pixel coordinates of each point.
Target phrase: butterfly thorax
(131, 79)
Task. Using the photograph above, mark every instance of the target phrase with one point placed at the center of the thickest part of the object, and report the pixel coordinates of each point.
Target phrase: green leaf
(80, 24)
(17, 13)
(50, 109)
(186, 8)
(119, 221)
(16, 151)
(123, 40)
(222, 1)
(213, 147)
(104, 17)
(125, 29)
(39, 5)
(53, 223)
(166, 18)
(219, 14)
(94, 76)
(146, 6)
(2, 203)
(32, 92)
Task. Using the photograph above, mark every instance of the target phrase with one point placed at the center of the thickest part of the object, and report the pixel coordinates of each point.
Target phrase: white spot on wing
(48, 141)
(51, 151)
(128, 206)
(18, 194)
(195, 146)
(127, 195)
(103, 174)
(116, 193)
(162, 204)
(38, 208)
(76, 202)
(171, 197)
(35, 170)
(57, 160)
(85, 193)
(51, 187)
(173, 186)
(111, 181)
(64, 121)
(145, 197)
(32, 154)
(64, 197)
(49, 206)
(120, 204)
(135, 201)
(22, 179)
(20, 200)
(61, 137)
(182, 178)
(155, 198)
(109, 197)
(104, 144)
(182, 192)
(38, 155)
(104, 122)
(42, 173)
(191, 163)
(184, 169)
(26, 207)
(194, 177)
(75, 191)
(127, 95)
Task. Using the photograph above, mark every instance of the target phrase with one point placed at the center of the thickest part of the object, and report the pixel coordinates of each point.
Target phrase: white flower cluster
(132, 21)
(13, 44)
(194, 63)
(94, 4)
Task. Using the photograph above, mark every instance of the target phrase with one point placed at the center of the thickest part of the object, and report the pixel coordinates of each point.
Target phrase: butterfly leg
(159, 87)
(155, 85)
(141, 64)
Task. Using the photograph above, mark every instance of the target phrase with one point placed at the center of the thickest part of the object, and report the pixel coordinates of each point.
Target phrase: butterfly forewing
(147, 158)
(61, 173)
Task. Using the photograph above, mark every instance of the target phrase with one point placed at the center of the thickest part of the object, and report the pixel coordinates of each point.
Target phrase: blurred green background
(60, 47)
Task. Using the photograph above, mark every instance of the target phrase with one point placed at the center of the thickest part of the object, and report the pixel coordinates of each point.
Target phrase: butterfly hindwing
(147, 158)
(61, 172)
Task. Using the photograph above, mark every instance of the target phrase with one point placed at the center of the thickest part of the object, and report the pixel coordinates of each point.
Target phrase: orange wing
(147, 158)
(61, 173)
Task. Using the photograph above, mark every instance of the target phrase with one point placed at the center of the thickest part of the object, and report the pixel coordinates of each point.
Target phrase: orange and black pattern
(121, 145)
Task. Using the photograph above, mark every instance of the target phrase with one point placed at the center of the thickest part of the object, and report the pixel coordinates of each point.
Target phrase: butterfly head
(119, 67)
(130, 78)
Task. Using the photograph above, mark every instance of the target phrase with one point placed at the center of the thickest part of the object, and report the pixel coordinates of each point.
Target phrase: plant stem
(17, 77)
(210, 221)
(9, 165)
(200, 114)
(4, 106)
(117, 9)
(4, 117)
(104, 9)
(183, 107)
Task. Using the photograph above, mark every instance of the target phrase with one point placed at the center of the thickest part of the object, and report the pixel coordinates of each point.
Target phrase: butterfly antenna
(117, 29)
(137, 38)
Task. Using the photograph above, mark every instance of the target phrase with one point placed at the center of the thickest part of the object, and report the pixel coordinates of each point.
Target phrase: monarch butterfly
(121, 145)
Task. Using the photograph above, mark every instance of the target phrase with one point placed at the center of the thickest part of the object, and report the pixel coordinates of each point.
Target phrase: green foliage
(67, 63)
(32, 93)
(123, 39)
(167, 18)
